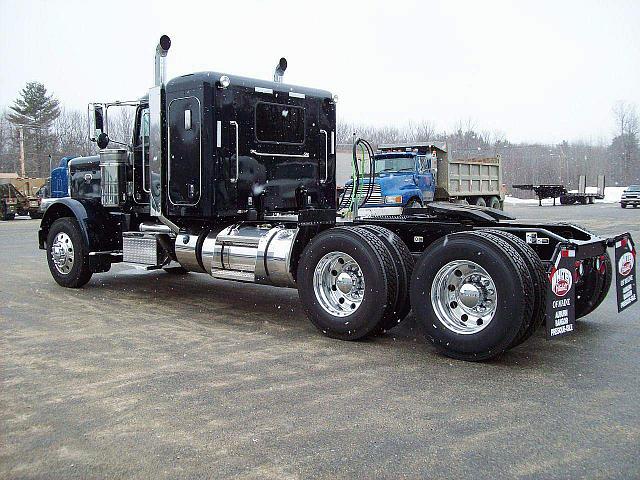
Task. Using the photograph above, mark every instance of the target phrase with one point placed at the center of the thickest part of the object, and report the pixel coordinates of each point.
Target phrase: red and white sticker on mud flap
(561, 310)
(625, 266)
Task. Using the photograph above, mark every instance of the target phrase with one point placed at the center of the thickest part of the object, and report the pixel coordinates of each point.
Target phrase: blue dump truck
(414, 174)
(58, 183)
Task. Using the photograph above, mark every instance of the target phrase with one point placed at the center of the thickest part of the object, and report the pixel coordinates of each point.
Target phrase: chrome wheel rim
(62, 253)
(338, 284)
(464, 297)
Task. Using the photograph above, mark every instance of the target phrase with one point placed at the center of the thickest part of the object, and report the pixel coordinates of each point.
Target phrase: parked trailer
(9, 198)
(207, 185)
(567, 197)
(28, 202)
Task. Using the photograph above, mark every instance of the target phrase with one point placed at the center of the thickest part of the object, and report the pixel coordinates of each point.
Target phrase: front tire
(414, 203)
(468, 292)
(67, 254)
(346, 283)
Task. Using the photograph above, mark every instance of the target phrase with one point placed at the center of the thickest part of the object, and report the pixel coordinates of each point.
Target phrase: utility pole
(21, 130)
(21, 127)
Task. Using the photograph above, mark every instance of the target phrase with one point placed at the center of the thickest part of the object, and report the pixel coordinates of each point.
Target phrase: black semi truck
(235, 177)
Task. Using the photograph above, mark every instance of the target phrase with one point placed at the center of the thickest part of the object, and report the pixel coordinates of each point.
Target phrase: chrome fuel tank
(259, 253)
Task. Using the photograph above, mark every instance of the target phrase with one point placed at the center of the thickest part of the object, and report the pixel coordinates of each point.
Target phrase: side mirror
(103, 141)
(96, 121)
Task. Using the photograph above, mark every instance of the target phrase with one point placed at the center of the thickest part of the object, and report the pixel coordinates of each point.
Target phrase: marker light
(224, 81)
(393, 199)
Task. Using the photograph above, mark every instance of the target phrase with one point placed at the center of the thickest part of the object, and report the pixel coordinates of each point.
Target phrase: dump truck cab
(403, 176)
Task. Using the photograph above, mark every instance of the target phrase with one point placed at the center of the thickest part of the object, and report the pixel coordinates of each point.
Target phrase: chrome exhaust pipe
(279, 70)
(160, 72)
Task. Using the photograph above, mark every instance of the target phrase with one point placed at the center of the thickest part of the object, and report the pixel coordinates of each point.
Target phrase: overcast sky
(537, 71)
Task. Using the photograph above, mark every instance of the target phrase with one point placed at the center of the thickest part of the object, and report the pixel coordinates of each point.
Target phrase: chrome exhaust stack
(160, 72)
(279, 70)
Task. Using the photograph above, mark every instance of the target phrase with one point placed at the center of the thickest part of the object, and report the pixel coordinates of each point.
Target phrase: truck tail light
(393, 199)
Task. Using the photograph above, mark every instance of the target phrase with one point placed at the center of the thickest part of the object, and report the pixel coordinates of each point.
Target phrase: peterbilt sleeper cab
(235, 177)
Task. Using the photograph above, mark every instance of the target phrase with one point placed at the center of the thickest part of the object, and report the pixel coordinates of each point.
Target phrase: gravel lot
(150, 375)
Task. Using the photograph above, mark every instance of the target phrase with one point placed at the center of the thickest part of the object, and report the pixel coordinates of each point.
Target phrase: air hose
(352, 200)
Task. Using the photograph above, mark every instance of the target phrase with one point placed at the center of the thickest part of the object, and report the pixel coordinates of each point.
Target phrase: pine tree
(34, 106)
(36, 110)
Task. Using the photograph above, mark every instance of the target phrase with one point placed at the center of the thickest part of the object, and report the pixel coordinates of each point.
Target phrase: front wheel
(623, 205)
(67, 254)
(414, 203)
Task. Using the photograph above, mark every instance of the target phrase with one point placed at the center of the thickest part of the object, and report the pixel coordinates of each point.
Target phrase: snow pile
(517, 201)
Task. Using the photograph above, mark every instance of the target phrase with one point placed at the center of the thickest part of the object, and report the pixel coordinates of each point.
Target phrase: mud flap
(561, 297)
(626, 290)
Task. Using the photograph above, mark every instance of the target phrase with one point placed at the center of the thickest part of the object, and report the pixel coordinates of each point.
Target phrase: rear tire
(594, 287)
(540, 282)
(346, 282)
(480, 202)
(403, 263)
(494, 202)
(67, 254)
(623, 205)
(481, 264)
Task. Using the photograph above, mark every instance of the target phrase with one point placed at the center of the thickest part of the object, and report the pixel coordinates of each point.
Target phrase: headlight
(393, 199)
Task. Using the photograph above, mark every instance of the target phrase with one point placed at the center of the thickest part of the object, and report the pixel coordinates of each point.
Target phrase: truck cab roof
(195, 81)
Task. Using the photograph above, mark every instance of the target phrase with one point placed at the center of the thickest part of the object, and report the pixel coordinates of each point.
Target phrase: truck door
(184, 151)
(229, 136)
(141, 157)
(424, 178)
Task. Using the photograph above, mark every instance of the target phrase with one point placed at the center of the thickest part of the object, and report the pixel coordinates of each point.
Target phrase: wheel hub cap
(338, 284)
(469, 295)
(344, 282)
(62, 253)
(464, 297)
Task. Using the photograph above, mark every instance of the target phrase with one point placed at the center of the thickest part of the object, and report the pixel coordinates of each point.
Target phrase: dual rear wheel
(354, 281)
(475, 294)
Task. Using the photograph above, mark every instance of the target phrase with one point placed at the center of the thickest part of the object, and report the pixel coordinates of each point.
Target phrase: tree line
(51, 129)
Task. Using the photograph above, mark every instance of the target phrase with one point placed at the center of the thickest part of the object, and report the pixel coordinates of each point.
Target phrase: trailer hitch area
(461, 212)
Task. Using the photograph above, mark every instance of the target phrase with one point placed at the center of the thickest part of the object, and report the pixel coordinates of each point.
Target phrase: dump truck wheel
(414, 203)
(494, 202)
(346, 282)
(480, 202)
(467, 291)
(67, 254)
(593, 288)
(540, 279)
(403, 263)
